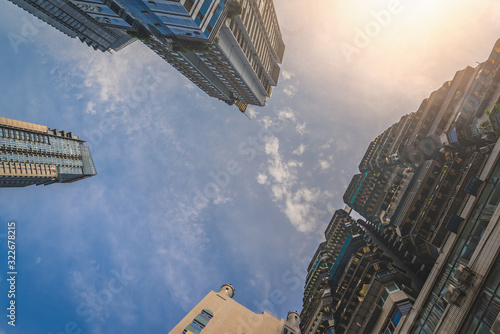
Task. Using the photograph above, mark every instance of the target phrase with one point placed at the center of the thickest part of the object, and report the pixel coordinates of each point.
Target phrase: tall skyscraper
(462, 291)
(34, 154)
(352, 286)
(70, 19)
(243, 65)
(416, 174)
(230, 49)
(219, 313)
(431, 184)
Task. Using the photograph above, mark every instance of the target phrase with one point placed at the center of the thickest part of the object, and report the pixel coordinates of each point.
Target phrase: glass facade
(199, 322)
(173, 28)
(395, 316)
(465, 246)
(194, 20)
(71, 19)
(34, 157)
(487, 306)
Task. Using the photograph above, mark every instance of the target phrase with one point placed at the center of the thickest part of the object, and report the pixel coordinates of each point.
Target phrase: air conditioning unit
(495, 328)
(463, 274)
(484, 149)
(453, 295)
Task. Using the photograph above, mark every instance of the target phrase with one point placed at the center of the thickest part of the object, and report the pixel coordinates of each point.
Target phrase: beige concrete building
(219, 313)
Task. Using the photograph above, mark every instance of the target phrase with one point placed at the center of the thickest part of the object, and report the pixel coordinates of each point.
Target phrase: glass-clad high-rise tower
(34, 154)
(70, 19)
(230, 49)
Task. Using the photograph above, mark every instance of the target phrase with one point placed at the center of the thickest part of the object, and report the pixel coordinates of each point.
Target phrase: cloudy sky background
(190, 194)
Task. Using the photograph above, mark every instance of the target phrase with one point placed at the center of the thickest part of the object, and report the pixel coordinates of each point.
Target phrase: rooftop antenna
(244, 113)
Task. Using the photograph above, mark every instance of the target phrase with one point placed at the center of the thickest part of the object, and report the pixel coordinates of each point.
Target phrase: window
(383, 298)
(188, 5)
(468, 240)
(392, 288)
(197, 325)
(199, 322)
(205, 315)
(396, 315)
(487, 305)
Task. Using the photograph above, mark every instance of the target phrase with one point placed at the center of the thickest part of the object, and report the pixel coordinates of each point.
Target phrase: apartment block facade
(243, 66)
(460, 293)
(351, 285)
(416, 173)
(230, 49)
(72, 20)
(439, 172)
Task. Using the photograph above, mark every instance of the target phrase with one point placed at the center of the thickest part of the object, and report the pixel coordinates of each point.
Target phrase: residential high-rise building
(429, 188)
(352, 286)
(230, 49)
(71, 19)
(243, 65)
(317, 297)
(461, 292)
(219, 313)
(34, 154)
(415, 175)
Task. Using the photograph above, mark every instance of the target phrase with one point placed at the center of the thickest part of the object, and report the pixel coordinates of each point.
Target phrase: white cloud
(287, 114)
(323, 164)
(295, 201)
(90, 108)
(252, 113)
(262, 179)
(301, 128)
(287, 75)
(299, 206)
(220, 199)
(175, 223)
(266, 122)
(299, 150)
(290, 90)
(328, 144)
(134, 77)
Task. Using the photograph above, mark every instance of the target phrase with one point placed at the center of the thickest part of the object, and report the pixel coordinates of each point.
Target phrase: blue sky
(190, 194)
